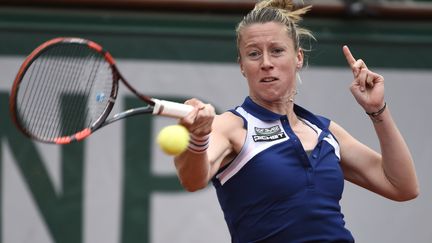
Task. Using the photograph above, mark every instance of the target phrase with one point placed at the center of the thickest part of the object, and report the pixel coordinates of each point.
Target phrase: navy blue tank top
(273, 191)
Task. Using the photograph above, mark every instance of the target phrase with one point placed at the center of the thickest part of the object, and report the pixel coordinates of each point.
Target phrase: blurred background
(118, 187)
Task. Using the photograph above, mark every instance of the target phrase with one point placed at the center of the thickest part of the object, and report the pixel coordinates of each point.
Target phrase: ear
(299, 59)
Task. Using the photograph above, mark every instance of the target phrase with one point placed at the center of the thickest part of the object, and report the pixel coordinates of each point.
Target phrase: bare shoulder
(231, 126)
(338, 131)
(227, 122)
(346, 141)
(353, 152)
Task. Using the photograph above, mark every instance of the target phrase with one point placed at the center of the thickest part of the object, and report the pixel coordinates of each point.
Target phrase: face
(269, 62)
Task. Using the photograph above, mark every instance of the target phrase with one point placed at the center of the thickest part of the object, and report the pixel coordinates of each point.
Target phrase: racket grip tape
(171, 109)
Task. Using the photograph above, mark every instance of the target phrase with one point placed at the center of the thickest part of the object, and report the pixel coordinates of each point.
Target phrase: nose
(266, 63)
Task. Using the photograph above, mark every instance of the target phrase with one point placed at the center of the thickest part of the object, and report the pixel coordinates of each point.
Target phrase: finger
(361, 79)
(358, 66)
(348, 56)
(189, 119)
(201, 115)
(205, 114)
(370, 79)
(194, 102)
(203, 122)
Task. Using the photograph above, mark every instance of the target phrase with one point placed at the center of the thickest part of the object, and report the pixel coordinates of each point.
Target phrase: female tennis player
(279, 169)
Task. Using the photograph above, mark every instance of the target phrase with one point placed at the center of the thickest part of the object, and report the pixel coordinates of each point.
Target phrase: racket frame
(154, 106)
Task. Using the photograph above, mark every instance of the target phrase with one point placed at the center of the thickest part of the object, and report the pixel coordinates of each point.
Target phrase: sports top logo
(268, 134)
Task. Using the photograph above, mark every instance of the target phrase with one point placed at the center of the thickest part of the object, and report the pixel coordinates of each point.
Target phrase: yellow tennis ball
(173, 140)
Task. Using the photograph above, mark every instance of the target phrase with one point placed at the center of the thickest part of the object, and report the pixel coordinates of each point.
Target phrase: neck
(282, 107)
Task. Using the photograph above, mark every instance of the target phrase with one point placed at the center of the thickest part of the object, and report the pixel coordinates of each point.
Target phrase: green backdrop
(211, 37)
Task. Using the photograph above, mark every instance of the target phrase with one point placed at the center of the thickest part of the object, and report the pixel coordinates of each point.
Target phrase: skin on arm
(195, 170)
(391, 173)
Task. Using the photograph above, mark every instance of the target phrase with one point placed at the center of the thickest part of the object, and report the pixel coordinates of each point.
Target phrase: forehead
(259, 32)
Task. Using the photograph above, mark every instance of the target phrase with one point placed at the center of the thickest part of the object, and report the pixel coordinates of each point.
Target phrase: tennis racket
(66, 89)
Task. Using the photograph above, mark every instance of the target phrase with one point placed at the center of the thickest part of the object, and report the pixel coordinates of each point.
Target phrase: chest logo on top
(268, 134)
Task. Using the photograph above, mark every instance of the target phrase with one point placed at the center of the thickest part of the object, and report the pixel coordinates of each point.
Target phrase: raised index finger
(349, 57)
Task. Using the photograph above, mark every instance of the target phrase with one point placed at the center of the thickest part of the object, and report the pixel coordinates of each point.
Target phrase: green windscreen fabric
(211, 37)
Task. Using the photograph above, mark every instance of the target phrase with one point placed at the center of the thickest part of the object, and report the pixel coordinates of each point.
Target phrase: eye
(277, 51)
(254, 54)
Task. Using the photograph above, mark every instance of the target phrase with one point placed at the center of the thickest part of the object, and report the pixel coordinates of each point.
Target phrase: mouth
(268, 79)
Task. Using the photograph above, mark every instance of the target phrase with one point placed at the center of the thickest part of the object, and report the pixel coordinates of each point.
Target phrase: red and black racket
(66, 88)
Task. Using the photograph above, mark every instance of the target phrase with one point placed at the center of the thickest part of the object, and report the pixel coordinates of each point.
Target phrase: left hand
(367, 86)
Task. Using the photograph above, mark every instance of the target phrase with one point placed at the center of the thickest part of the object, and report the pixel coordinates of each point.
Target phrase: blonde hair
(278, 11)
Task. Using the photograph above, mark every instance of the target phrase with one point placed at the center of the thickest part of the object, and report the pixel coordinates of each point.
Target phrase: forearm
(397, 163)
(201, 161)
(193, 170)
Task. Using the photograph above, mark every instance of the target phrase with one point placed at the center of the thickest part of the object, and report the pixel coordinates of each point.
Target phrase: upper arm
(361, 165)
(225, 129)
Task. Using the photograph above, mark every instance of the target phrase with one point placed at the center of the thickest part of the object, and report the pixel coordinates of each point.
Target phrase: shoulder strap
(235, 112)
(325, 121)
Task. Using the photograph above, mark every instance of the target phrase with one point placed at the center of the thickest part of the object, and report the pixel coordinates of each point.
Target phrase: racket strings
(96, 79)
(65, 66)
(51, 87)
(33, 106)
(37, 109)
(76, 102)
(64, 80)
(46, 114)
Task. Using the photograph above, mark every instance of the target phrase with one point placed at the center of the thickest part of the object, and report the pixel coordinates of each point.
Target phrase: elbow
(194, 186)
(412, 195)
(193, 189)
(408, 195)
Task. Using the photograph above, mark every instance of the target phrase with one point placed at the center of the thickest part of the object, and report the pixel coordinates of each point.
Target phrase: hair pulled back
(278, 11)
